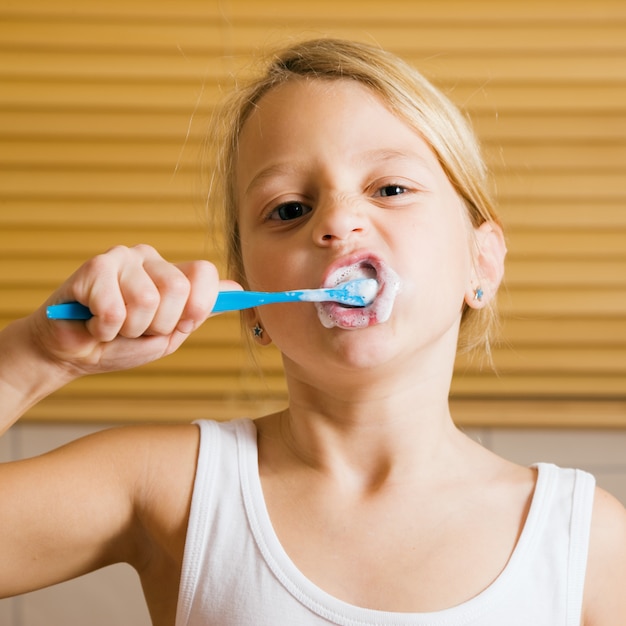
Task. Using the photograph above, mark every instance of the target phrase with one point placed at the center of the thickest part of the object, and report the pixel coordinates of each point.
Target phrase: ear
(488, 265)
(257, 331)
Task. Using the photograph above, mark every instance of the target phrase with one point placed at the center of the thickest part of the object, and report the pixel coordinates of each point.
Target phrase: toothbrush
(354, 293)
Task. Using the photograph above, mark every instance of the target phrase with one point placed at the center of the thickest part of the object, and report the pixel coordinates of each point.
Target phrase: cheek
(438, 264)
(456, 233)
(260, 263)
(270, 267)
(294, 328)
(253, 269)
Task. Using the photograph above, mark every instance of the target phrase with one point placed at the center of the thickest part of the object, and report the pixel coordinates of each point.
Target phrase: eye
(289, 211)
(391, 190)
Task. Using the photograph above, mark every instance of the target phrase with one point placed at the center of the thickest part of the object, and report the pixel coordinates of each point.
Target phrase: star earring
(478, 294)
(257, 331)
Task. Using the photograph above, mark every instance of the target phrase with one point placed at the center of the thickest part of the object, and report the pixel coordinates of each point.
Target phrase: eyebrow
(391, 154)
(377, 154)
(278, 169)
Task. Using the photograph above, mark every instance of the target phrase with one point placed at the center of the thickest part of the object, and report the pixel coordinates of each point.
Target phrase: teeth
(376, 312)
(354, 272)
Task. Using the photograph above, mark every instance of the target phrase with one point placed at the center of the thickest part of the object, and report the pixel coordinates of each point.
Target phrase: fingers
(203, 285)
(96, 284)
(155, 295)
(134, 291)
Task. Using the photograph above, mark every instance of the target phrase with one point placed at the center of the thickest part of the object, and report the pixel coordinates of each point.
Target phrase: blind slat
(153, 95)
(538, 11)
(103, 111)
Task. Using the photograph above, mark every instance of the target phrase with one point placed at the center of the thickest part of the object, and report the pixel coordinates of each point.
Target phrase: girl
(360, 503)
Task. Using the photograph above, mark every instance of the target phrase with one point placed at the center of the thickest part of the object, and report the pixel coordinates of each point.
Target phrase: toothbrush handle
(239, 300)
(226, 301)
(68, 311)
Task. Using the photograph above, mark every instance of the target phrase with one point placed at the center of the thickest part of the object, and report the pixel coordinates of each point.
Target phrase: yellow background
(103, 106)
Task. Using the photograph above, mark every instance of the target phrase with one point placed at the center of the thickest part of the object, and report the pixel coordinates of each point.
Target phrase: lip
(359, 265)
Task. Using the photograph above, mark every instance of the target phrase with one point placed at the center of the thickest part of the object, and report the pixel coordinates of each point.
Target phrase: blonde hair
(408, 95)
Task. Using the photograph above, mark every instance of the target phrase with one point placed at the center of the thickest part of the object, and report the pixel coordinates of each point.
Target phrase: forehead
(305, 117)
(301, 101)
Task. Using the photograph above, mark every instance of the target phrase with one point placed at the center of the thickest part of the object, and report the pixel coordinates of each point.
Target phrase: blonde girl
(360, 502)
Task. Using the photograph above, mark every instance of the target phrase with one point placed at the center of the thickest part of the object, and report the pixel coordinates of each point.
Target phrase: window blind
(103, 107)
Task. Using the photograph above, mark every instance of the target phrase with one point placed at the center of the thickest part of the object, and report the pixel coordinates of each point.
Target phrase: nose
(337, 219)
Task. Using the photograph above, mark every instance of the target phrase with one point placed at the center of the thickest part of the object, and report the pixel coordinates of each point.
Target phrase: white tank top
(235, 571)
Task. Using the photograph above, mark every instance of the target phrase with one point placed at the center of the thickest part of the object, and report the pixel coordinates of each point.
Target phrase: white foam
(378, 311)
(366, 289)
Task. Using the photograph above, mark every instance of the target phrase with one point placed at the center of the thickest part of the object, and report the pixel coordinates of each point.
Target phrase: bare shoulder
(164, 460)
(605, 588)
(165, 467)
(156, 463)
(117, 495)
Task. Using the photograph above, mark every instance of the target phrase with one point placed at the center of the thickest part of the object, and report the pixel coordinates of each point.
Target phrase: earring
(478, 294)
(257, 331)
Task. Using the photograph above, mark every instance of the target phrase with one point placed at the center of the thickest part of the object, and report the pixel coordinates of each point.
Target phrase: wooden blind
(103, 105)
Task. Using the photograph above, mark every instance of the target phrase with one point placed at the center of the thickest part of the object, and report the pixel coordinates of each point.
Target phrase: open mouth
(377, 311)
(359, 272)
(362, 269)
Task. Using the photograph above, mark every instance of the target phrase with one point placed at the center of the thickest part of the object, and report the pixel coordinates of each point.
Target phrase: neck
(369, 436)
(373, 423)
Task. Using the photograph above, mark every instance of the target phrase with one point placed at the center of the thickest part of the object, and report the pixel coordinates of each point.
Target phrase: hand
(143, 309)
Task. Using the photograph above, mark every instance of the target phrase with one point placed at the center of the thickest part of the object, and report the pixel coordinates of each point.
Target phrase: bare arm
(605, 587)
(144, 308)
(25, 378)
(85, 505)
(66, 513)
(121, 495)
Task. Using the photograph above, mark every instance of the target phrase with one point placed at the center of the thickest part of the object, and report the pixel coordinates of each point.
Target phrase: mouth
(377, 311)
(356, 272)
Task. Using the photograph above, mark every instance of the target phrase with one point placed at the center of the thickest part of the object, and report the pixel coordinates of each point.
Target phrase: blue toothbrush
(354, 293)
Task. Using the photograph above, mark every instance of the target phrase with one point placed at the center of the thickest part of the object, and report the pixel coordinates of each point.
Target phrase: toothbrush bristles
(360, 292)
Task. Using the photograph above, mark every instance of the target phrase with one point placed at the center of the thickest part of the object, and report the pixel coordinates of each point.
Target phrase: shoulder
(605, 587)
(118, 495)
(155, 466)
(165, 462)
(155, 463)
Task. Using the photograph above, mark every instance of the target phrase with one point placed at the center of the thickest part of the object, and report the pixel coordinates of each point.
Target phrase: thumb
(229, 285)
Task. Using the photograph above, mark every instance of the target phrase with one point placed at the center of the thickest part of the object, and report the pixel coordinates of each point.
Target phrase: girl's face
(331, 185)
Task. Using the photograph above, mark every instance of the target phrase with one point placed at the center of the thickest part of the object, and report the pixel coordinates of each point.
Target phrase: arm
(605, 586)
(25, 378)
(89, 504)
(120, 495)
(144, 308)
(66, 513)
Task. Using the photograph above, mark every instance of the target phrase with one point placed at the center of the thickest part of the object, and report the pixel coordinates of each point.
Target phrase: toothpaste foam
(377, 312)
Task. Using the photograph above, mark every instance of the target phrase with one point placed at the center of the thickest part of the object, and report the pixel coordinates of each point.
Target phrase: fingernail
(185, 326)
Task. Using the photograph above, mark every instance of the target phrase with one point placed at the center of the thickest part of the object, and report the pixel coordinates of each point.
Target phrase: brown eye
(391, 190)
(289, 211)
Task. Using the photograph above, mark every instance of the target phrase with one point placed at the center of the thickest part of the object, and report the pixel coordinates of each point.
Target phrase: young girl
(360, 503)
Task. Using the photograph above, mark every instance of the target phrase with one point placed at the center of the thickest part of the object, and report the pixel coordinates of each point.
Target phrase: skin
(367, 430)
